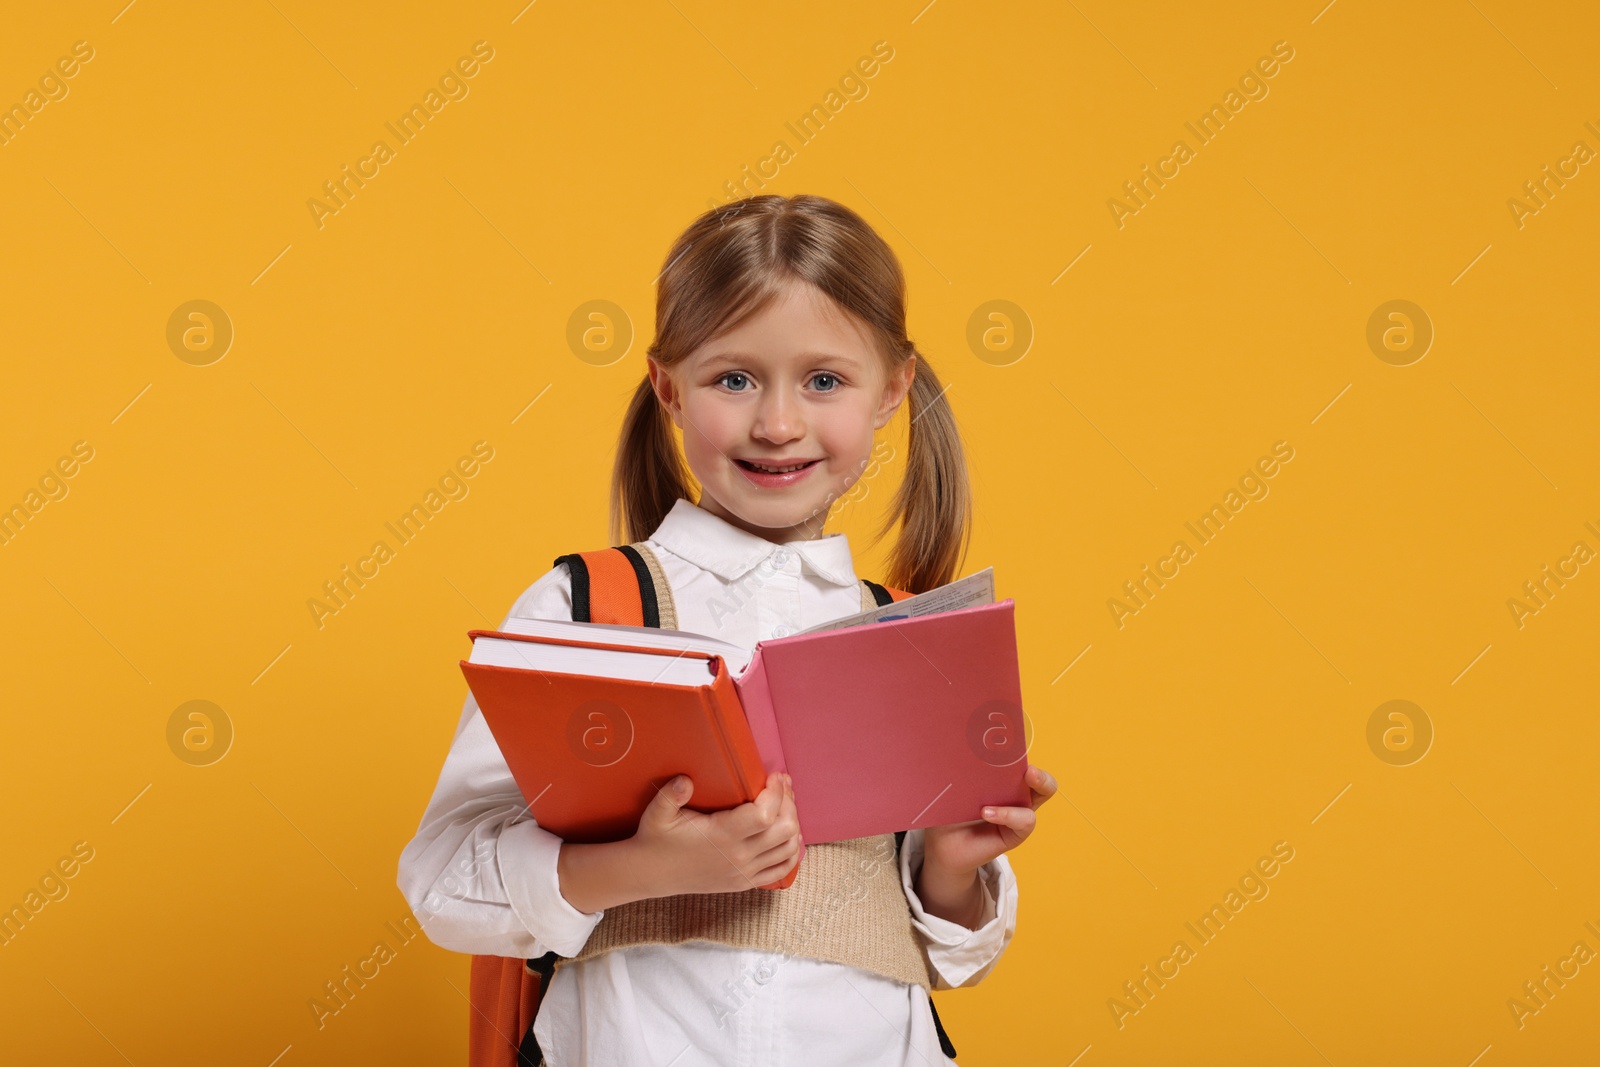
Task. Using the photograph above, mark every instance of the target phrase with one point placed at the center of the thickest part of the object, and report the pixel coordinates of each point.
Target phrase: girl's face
(798, 383)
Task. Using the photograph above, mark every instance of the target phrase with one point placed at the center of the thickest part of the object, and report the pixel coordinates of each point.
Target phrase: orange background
(1163, 358)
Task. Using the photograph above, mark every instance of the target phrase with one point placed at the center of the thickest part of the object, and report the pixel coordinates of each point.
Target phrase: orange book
(590, 777)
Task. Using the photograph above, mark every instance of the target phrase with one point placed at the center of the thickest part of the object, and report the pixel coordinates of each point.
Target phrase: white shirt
(480, 874)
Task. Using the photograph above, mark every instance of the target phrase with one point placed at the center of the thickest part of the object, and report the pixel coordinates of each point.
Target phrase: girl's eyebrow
(743, 357)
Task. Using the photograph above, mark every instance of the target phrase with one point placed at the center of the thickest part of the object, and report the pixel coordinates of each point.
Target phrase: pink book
(892, 725)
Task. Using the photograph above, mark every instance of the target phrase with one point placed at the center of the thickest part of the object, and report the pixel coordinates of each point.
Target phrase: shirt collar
(714, 544)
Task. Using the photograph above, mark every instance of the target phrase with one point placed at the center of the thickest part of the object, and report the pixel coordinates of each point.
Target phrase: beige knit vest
(846, 905)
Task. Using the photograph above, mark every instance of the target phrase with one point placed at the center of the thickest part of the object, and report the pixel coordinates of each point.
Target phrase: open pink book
(904, 716)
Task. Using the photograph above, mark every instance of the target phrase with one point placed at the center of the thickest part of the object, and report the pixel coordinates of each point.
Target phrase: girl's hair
(728, 265)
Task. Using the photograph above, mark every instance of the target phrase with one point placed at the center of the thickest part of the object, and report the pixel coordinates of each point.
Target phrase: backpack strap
(621, 586)
(880, 594)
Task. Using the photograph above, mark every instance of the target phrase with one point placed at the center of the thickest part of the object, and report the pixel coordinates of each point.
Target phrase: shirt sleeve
(480, 874)
(962, 957)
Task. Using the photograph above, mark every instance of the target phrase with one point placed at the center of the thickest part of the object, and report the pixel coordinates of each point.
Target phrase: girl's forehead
(799, 320)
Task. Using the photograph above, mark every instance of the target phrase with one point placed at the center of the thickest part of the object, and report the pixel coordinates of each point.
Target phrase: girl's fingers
(772, 874)
(778, 853)
(1019, 819)
(1042, 784)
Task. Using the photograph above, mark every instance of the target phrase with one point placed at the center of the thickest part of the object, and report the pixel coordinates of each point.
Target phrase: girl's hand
(684, 851)
(961, 848)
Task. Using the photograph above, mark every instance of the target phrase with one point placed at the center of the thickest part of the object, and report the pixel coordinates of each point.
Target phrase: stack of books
(903, 716)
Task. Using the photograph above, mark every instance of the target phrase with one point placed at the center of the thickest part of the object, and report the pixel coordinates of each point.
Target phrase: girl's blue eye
(723, 378)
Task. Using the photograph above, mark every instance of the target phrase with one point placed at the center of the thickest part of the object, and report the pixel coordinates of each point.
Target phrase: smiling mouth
(747, 465)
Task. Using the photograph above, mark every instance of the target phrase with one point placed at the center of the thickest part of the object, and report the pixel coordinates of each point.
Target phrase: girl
(780, 348)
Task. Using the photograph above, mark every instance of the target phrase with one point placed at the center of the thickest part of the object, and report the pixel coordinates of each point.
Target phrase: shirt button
(780, 557)
(780, 631)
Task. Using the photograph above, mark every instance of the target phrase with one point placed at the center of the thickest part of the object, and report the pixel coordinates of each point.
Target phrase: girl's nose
(778, 418)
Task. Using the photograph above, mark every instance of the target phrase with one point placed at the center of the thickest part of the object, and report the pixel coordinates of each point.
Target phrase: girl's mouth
(775, 476)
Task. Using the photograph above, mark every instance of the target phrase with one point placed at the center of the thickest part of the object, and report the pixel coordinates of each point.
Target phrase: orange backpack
(611, 585)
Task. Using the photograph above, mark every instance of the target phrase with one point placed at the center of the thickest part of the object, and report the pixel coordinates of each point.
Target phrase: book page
(965, 592)
(638, 636)
(646, 667)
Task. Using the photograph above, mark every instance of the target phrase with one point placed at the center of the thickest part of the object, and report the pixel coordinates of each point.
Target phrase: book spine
(755, 697)
(752, 703)
(728, 723)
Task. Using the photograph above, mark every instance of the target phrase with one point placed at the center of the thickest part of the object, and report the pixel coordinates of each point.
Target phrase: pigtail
(649, 474)
(934, 501)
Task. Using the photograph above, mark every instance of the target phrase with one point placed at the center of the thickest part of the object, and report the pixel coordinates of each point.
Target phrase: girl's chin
(782, 522)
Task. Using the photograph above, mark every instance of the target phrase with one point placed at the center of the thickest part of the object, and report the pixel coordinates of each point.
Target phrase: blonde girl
(780, 350)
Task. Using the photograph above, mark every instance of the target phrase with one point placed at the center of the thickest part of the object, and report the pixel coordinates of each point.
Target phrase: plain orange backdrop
(1129, 379)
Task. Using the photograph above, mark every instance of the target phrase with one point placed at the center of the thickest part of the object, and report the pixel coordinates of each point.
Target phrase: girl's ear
(666, 392)
(894, 392)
